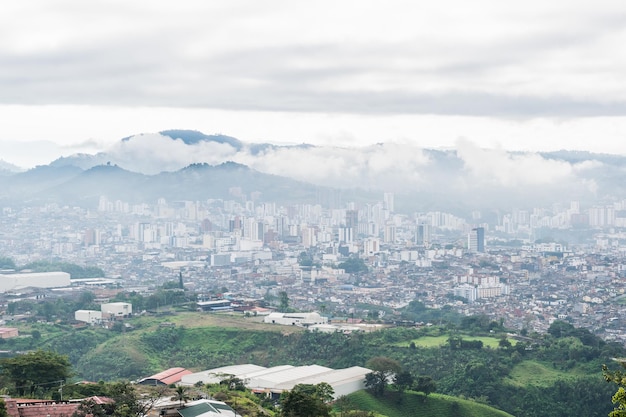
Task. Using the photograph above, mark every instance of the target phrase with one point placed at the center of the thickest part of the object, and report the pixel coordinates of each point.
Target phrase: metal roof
(169, 376)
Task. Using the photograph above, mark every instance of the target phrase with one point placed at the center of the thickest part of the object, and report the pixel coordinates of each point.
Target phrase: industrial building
(295, 319)
(116, 309)
(11, 282)
(167, 377)
(275, 380)
(88, 316)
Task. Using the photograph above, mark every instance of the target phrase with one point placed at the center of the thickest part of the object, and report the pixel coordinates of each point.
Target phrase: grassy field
(413, 404)
(437, 341)
(538, 374)
(223, 320)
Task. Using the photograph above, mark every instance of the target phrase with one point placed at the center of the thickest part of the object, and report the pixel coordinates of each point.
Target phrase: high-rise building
(476, 240)
(422, 237)
(388, 202)
(352, 221)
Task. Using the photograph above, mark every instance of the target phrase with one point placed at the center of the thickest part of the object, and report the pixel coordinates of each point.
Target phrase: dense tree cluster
(75, 271)
(36, 373)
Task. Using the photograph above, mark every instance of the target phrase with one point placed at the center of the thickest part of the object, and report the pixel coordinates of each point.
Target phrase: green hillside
(553, 375)
(410, 404)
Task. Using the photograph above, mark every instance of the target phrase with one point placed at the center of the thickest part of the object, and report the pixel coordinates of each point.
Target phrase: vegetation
(36, 373)
(542, 375)
(619, 398)
(75, 271)
(307, 401)
(413, 404)
(6, 263)
(353, 265)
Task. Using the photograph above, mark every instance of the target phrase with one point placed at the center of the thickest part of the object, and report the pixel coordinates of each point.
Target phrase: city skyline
(531, 77)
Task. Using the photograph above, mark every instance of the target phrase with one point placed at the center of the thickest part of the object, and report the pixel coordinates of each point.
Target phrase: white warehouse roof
(285, 377)
(9, 282)
(271, 380)
(214, 376)
(334, 376)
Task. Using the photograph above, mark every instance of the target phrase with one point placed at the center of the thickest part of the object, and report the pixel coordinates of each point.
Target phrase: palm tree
(181, 395)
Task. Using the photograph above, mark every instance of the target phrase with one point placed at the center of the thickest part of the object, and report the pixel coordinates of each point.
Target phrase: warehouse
(275, 380)
(214, 376)
(295, 319)
(10, 282)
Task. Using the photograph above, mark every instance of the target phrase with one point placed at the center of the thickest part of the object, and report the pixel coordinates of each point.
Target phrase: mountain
(72, 185)
(192, 137)
(460, 180)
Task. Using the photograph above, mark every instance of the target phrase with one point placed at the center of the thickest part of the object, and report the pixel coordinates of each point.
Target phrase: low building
(207, 408)
(37, 408)
(215, 305)
(8, 332)
(295, 319)
(167, 377)
(169, 407)
(88, 316)
(116, 309)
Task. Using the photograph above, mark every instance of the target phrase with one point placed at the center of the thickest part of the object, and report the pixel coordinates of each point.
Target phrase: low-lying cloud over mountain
(468, 175)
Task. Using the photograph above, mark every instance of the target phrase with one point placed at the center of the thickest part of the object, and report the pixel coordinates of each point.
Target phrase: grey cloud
(451, 78)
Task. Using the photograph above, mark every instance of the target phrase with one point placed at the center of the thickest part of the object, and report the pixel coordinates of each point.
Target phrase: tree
(619, 398)
(126, 402)
(353, 265)
(6, 263)
(3, 408)
(324, 391)
(426, 385)
(284, 301)
(181, 395)
(304, 401)
(403, 380)
(504, 343)
(39, 369)
(383, 369)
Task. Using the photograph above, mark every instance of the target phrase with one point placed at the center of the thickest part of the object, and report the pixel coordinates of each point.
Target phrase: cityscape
(312, 209)
(248, 251)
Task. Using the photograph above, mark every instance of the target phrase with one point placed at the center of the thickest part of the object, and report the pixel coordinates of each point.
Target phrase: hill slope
(394, 404)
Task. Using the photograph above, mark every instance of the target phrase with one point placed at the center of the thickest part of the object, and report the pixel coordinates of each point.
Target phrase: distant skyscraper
(476, 240)
(389, 233)
(422, 237)
(352, 221)
(388, 201)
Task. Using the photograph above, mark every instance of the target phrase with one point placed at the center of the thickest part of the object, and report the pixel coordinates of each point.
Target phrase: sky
(78, 76)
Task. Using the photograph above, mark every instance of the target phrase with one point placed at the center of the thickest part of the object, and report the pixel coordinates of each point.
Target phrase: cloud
(496, 167)
(154, 153)
(382, 166)
(398, 58)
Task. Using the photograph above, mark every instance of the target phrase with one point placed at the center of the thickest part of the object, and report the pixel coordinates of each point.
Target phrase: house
(207, 408)
(8, 332)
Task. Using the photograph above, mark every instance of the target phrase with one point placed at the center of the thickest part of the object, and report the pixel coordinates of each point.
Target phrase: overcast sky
(77, 76)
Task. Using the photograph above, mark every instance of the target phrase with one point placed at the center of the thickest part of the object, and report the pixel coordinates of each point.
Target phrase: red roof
(169, 376)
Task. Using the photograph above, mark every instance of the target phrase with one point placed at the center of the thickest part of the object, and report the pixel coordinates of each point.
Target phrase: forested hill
(552, 375)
